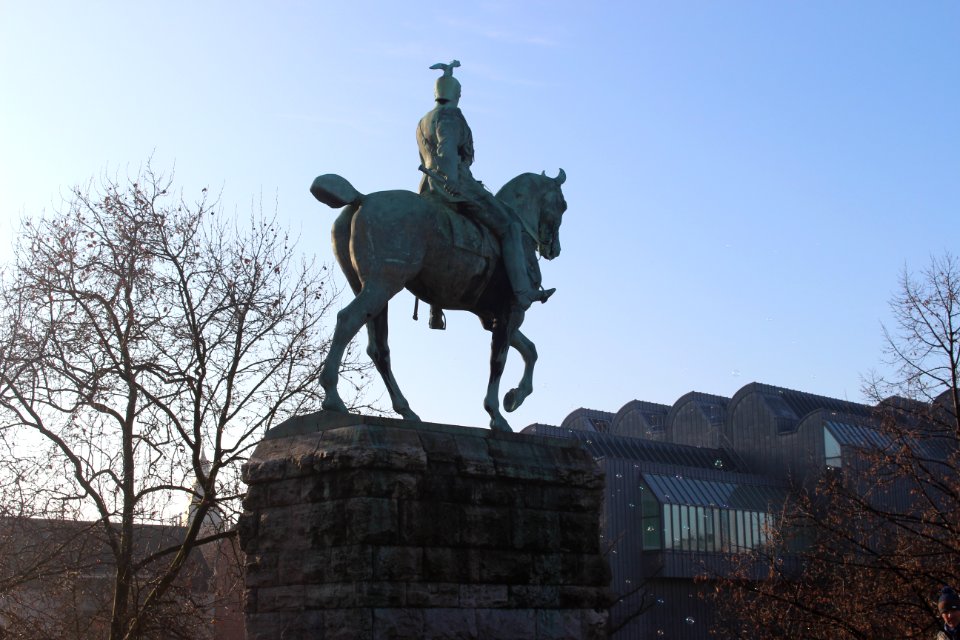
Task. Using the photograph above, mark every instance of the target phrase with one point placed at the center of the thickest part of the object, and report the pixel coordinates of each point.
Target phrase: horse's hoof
(407, 414)
(510, 401)
(500, 425)
(334, 404)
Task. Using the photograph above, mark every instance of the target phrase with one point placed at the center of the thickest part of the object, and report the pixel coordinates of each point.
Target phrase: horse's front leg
(378, 348)
(502, 333)
(527, 351)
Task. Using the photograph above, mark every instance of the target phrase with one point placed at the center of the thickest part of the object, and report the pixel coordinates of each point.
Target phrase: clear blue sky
(745, 179)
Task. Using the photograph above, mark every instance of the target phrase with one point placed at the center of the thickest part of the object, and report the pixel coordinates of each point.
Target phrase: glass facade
(718, 517)
(709, 529)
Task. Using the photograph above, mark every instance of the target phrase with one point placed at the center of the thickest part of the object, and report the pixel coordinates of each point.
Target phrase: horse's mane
(514, 187)
(523, 193)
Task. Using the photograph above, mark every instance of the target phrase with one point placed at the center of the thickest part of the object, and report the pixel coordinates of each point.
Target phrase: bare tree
(863, 551)
(146, 344)
(923, 348)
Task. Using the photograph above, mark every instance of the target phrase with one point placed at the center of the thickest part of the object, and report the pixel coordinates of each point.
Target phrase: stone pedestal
(359, 527)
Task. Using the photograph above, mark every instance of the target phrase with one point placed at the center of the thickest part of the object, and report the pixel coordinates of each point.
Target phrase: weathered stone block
(398, 563)
(261, 569)
(381, 594)
(347, 624)
(270, 626)
(449, 624)
(584, 569)
(537, 596)
(485, 527)
(579, 532)
(439, 447)
(284, 492)
(474, 457)
(559, 623)
(483, 596)
(433, 594)
(284, 598)
(445, 564)
(331, 595)
(428, 523)
(350, 563)
(397, 624)
(505, 567)
(579, 597)
(568, 498)
(384, 530)
(507, 624)
(371, 520)
(536, 529)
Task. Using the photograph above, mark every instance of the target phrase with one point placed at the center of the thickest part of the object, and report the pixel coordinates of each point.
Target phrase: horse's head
(538, 200)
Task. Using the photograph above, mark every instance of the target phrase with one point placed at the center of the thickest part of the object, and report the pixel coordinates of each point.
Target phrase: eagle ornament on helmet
(448, 87)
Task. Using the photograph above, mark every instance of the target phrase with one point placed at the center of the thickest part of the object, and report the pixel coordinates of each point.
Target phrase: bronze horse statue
(389, 240)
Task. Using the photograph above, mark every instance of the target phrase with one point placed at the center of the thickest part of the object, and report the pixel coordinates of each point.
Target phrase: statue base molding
(357, 527)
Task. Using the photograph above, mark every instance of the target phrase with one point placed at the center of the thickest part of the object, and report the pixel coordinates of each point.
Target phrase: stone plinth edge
(376, 528)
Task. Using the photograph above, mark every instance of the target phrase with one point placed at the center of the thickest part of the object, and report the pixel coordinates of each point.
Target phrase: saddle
(466, 233)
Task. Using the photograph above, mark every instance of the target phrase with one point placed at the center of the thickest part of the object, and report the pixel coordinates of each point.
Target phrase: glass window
(705, 529)
(725, 536)
(743, 532)
(650, 519)
(713, 530)
(701, 522)
(677, 529)
(667, 527)
(831, 450)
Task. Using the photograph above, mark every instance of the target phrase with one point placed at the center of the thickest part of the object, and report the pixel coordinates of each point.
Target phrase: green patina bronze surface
(454, 245)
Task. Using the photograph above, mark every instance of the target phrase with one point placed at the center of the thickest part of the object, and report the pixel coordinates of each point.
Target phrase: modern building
(689, 485)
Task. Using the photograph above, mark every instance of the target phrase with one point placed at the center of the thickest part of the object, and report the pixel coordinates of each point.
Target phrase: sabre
(439, 177)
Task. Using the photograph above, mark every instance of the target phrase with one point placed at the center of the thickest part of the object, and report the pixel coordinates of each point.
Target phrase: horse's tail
(334, 191)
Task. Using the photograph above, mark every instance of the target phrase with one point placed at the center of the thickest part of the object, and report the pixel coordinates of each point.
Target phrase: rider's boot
(524, 290)
(437, 319)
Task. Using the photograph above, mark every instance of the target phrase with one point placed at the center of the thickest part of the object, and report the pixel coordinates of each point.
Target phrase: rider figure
(446, 153)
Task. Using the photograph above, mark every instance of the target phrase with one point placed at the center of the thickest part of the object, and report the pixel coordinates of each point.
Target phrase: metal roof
(605, 445)
(678, 489)
(857, 435)
(590, 420)
(935, 447)
(802, 403)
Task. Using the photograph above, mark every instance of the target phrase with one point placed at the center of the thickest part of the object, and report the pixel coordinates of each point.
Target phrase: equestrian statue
(454, 245)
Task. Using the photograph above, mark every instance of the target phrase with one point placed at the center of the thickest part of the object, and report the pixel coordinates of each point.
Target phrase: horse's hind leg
(527, 351)
(378, 349)
(371, 301)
